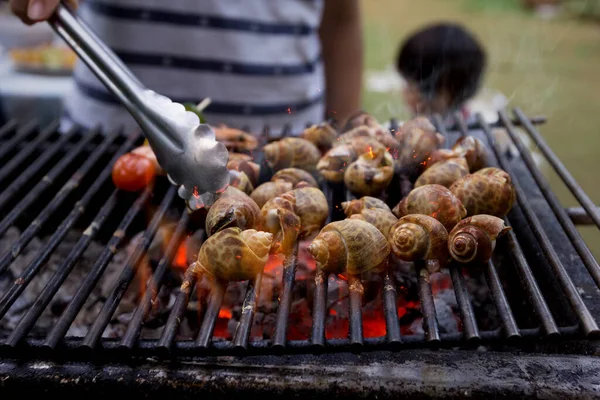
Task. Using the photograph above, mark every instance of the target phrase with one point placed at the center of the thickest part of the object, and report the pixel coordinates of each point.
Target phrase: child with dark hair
(443, 65)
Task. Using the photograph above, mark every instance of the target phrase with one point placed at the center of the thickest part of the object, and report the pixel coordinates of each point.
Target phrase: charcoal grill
(546, 343)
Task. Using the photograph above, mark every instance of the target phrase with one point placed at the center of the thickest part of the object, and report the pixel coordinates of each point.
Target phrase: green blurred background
(545, 65)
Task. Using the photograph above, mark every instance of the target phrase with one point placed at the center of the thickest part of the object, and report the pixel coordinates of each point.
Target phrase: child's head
(443, 65)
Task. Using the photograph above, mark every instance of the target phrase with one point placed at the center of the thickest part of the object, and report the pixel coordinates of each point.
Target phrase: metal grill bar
(509, 324)
(430, 324)
(584, 252)
(23, 133)
(45, 297)
(392, 325)
(580, 216)
(319, 309)
(217, 294)
(24, 178)
(244, 328)
(42, 257)
(46, 182)
(583, 314)
(464, 304)
(113, 300)
(7, 128)
(141, 312)
(580, 195)
(356, 290)
(26, 151)
(57, 201)
(285, 302)
(66, 319)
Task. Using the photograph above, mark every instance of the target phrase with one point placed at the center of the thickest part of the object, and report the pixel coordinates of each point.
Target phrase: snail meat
(356, 206)
(474, 238)
(351, 246)
(292, 153)
(322, 135)
(232, 208)
(487, 191)
(234, 255)
(371, 173)
(420, 237)
(444, 173)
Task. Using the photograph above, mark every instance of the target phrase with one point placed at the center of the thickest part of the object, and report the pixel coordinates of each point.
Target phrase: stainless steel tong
(185, 148)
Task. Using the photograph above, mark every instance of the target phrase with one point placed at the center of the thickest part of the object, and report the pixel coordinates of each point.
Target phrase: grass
(545, 67)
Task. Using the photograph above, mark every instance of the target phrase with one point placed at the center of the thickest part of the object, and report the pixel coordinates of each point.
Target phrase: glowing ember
(371, 152)
(225, 313)
(180, 260)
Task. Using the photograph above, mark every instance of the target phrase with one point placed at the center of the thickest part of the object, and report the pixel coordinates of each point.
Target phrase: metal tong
(185, 148)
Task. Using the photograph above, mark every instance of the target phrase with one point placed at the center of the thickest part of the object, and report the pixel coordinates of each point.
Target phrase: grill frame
(73, 352)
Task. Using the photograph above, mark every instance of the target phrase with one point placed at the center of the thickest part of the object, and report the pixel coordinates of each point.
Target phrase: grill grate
(534, 248)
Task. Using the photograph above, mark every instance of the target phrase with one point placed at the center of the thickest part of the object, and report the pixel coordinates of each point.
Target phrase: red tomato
(133, 172)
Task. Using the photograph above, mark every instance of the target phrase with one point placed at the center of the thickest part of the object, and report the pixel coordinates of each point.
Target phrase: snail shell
(435, 201)
(307, 204)
(417, 123)
(416, 144)
(419, 237)
(474, 238)
(297, 177)
(235, 255)
(371, 173)
(379, 218)
(356, 206)
(473, 150)
(333, 164)
(362, 119)
(350, 245)
(232, 208)
(233, 156)
(292, 153)
(488, 191)
(444, 173)
(240, 180)
(250, 168)
(440, 155)
(322, 135)
(235, 139)
(269, 190)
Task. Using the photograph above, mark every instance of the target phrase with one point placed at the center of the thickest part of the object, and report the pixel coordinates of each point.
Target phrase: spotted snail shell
(439, 155)
(379, 218)
(362, 119)
(240, 180)
(269, 190)
(364, 203)
(234, 255)
(297, 213)
(420, 237)
(474, 238)
(416, 145)
(417, 123)
(292, 153)
(244, 163)
(350, 245)
(232, 208)
(473, 150)
(371, 173)
(235, 139)
(322, 135)
(333, 164)
(444, 173)
(297, 177)
(435, 201)
(487, 191)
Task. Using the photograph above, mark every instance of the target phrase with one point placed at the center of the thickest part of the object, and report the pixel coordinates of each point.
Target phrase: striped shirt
(258, 60)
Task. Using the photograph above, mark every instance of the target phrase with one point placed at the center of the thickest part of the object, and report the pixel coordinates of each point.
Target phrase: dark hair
(443, 58)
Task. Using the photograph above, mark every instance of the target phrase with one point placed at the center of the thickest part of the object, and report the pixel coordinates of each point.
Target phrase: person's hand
(32, 11)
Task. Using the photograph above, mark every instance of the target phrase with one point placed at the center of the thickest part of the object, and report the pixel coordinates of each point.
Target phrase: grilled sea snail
(297, 177)
(435, 201)
(322, 135)
(417, 123)
(234, 255)
(356, 206)
(415, 146)
(351, 246)
(292, 153)
(268, 190)
(444, 173)
(245, 165)
(439, 155)
(240, 180)
(232, 208)
(308, 206)
(235, 139)
(420, 237)
(474, 238)
(379, 218)
(371, 173)
(487, 191)
(334, 163)
(473, 150)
